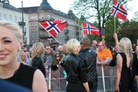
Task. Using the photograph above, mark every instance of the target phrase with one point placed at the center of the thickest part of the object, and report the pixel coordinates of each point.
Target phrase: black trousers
(75, 87)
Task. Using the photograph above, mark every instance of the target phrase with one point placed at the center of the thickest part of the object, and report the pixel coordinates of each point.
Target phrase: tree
(98, 9)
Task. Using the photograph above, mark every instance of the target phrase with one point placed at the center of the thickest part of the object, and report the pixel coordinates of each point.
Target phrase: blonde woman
(37, 52)
(12, 70)
(75, 69)
(124, 63)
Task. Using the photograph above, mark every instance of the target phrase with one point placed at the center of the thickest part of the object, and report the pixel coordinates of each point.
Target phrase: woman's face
(8, 46)
(57, 57)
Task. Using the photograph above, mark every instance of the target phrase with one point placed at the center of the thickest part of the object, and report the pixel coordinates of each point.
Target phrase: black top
(89, 56)
(75, 69)
(23, 76)
(125, 74)
(37, 63)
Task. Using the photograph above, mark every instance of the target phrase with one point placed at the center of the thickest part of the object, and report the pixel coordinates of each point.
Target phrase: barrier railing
(106, 78)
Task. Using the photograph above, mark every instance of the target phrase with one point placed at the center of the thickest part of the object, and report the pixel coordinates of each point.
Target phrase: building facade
(45, 12)
(11, 13)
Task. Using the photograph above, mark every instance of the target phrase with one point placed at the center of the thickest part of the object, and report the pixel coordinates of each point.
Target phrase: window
(35, 17)
(15, 19)
(48, 17)
(32, 17)
(10, 17)
(4, 16)
(32, 34)
(0, 15)
(41, 17)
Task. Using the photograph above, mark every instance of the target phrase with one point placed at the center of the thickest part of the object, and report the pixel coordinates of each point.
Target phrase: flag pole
(114, 24)
(55, 39)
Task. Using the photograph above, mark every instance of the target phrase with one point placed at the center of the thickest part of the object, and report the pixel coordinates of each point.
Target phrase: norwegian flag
(90, 29)
(54, 27)
(119, 11)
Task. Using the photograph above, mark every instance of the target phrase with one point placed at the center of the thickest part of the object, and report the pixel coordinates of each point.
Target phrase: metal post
(23, 24)
(49, 81)
(79, 29)
(103, 78)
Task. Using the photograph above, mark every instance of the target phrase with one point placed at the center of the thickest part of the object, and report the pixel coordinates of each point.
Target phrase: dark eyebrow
(6, 38)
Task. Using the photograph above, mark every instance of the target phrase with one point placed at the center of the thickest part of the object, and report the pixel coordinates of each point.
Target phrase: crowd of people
(79, 59)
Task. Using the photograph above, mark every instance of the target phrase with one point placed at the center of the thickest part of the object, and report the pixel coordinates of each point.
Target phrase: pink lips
(3, 56)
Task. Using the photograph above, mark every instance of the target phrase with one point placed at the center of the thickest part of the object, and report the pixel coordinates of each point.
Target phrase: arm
(118, 71)
(116, 41)
(37, 86)
(83, 76)
(86, 86)
(99, 61)
(116, 38)
(109, 57)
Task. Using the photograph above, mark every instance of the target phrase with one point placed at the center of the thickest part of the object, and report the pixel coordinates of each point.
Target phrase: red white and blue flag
(119, 11)
(90, 29)
(54, 27)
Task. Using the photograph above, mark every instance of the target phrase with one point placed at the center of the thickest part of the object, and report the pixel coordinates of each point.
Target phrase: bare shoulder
(119, 58)
(37, 86)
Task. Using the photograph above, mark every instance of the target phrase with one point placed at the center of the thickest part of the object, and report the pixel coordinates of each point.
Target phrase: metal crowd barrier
(106, 79)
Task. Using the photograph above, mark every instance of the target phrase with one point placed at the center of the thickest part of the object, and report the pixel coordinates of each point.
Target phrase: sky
(64, 5)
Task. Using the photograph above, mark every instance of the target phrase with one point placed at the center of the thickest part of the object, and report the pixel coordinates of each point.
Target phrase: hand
(115, 36)
(136, 77)
(116, 89)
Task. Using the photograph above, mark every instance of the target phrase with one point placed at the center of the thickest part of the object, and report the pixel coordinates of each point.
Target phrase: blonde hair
(73, 45)
(15, 30)
(37, 49)
(126, 46)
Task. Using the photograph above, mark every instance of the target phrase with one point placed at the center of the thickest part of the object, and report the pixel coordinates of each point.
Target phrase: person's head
(94, 43)
(48, 49)
(37, 49)
(134, 47)
(23, 56)
(85, 43)
(73, 46)
(10, 42)
(101, 45)
(125, 45)
(60, 48)
(57, 56)
(65, 50)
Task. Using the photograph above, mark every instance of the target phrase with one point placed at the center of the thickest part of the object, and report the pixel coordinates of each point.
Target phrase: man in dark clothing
(89, 56)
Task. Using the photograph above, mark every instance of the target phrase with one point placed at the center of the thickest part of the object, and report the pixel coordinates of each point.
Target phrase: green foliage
(126, 29)
(100, 12)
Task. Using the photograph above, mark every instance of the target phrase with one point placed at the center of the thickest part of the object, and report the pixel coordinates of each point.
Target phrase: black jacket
(90, 56)
(37, 63)
(75, 69)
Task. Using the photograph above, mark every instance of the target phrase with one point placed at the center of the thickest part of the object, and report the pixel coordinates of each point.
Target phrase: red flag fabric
(119, 11)
(90, 29)
(54, 27)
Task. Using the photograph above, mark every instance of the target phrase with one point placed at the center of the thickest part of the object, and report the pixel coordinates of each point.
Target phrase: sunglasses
(47, 48)
(57, 56)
